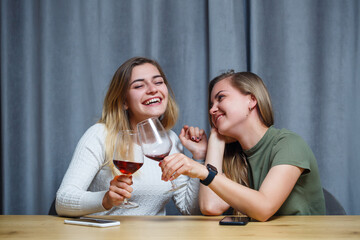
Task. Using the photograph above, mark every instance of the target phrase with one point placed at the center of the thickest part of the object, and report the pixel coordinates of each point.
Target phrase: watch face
(211, 167)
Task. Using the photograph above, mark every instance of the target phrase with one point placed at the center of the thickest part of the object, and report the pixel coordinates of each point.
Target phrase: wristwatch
(212, 173)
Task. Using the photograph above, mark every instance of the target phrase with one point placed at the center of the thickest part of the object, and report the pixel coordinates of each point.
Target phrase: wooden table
(181, 227)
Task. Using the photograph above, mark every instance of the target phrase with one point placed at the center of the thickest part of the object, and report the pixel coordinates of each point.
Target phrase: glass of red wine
(128, 158)
(155, 142)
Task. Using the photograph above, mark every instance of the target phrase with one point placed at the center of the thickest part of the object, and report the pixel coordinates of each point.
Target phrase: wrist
(105, 201)
(203, 173)
(212, 172)
(199, 155)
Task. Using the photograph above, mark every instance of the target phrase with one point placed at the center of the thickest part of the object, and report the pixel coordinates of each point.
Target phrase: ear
(253, 102)
(126, 107)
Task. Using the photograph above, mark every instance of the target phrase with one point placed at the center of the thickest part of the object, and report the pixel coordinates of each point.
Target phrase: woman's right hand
(195, 140)
(120, 188)
(216, 136)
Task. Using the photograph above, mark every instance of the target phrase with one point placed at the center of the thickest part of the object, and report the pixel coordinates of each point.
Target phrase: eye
(220, 97)
(159, 82)
(137, 86)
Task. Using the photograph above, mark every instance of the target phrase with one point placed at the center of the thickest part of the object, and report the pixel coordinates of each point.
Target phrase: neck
(248, 136)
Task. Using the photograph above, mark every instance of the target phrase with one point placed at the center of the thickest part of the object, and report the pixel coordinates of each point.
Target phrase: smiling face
(229, 107)
(147, 95)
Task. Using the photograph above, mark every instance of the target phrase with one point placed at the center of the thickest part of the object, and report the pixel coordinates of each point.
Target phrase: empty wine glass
(128, 158)
(155, 142)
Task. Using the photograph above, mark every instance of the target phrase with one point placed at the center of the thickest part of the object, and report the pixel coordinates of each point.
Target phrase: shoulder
(287, 137)
(94, 135)
(173, 135)
(290, 148)
(97, 128)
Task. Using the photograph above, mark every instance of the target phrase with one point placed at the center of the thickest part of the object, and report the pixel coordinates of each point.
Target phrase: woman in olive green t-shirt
(263, 171)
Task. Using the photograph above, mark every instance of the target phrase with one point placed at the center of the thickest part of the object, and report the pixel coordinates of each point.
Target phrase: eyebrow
(142, 79)
(216, 95)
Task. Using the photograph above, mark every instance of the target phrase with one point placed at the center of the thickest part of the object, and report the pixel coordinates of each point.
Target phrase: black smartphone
(234, 221)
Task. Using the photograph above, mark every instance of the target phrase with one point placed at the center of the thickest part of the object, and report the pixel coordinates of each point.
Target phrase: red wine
(158, 157)
(127, 167)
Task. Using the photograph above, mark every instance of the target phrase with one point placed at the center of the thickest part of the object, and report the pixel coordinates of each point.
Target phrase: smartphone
(234, 221)
(93, 222)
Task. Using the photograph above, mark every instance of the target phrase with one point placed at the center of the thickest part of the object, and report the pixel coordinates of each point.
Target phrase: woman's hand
(120, 188)
(216, 136)
(177, 164)
(195, 140)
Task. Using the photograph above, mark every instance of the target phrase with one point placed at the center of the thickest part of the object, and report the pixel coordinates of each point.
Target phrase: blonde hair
(235, 164)
(115, 116)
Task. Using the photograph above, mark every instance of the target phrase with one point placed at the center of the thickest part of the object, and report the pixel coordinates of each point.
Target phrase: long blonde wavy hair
(235, 164)
(115, 116)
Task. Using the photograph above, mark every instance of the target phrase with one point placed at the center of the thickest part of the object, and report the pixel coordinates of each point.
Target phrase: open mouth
(152, 101)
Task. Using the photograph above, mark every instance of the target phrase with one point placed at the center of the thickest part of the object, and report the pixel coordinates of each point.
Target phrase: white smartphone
(93, 222)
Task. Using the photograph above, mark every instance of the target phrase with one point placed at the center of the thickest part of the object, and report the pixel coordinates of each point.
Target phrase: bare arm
(222, 192)
(210, 203)
(264, 203)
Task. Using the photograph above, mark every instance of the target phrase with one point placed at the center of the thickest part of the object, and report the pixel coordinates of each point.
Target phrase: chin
(156, 114)
(222, 131)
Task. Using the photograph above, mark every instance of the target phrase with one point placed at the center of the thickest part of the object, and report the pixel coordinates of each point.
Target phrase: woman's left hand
(177, 164)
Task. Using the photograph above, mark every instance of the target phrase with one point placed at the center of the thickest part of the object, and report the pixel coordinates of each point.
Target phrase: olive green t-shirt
(278, 147)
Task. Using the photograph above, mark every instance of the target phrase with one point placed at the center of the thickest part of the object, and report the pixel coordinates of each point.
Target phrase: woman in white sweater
(138, 90)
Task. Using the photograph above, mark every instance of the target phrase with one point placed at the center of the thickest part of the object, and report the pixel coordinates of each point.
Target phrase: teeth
(154, 100)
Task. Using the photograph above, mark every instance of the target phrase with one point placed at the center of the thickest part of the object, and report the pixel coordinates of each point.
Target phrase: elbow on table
(262, 218)
(64, 211)
(210, 210)
(263, 214)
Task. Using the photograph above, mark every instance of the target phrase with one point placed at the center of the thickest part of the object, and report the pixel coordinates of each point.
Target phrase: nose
(151, 88)
(213, 109)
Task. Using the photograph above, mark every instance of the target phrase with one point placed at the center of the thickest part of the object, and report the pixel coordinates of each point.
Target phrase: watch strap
(210, 177)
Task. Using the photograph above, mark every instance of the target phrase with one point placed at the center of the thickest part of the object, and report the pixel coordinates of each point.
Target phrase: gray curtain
(58, 57)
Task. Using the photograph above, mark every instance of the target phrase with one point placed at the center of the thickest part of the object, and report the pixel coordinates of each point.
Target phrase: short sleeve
(291, 149)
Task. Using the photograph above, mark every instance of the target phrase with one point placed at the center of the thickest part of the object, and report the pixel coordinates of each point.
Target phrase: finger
(121, 191)
(174, 176)
(174, 167)
(167, 169)
(197, 134)
(179, 170)
(169, 158)
(125, 178)
(201, 133)
(183, 136)
(187, 135)
(191, 133)
(120, 185)
(115, 198)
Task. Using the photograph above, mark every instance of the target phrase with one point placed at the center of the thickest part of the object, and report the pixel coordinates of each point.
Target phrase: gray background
(58, 57)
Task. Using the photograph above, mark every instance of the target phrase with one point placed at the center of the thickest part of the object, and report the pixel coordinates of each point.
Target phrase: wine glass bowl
(128, 158)
(155, 142)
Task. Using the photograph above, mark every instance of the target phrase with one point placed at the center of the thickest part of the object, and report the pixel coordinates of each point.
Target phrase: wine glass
(155, 142)
(128, 158)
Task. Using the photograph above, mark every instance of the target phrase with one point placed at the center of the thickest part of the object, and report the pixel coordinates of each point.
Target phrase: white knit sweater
(87, 180)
